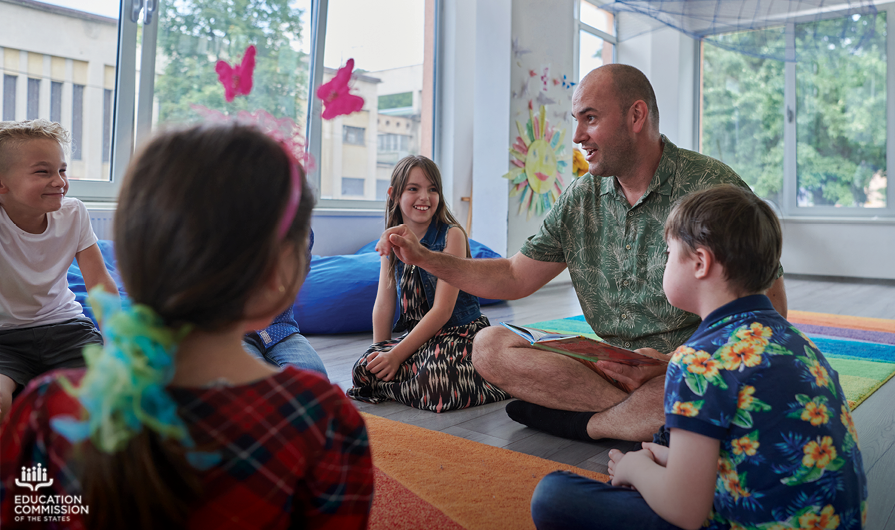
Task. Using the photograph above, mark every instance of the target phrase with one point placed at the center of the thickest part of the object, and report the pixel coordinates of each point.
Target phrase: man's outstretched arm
(503, 278)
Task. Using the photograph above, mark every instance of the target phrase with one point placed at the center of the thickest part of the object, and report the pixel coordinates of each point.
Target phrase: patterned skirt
(438, 377)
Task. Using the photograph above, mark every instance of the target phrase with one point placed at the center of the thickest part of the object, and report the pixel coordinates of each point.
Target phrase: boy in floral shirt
(761, 436)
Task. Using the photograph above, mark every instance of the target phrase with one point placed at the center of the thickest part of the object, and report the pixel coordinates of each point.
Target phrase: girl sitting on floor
(430, 366)
(173, 424)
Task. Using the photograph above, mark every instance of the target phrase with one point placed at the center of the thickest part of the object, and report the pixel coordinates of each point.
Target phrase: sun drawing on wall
(536, 155)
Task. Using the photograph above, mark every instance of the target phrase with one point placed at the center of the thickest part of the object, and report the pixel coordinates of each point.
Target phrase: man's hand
(384, 365)
(403, 242)
(634, 376)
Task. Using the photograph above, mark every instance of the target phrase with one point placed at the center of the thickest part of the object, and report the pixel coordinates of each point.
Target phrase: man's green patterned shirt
(615, 252)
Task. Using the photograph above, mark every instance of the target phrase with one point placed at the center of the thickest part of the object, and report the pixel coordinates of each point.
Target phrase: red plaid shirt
(295, 453)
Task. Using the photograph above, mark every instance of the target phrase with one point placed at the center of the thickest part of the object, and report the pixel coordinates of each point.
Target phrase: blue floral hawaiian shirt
(789, 451)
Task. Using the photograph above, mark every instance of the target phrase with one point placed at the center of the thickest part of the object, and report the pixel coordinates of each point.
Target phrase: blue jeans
(294, 350)
(566, 501)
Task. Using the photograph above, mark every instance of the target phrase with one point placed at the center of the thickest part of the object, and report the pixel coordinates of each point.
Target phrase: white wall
(838, 247)
(454, 101)
(491, 113)
(476, 112)
(668, 59)
(344, 231)
(536, 26)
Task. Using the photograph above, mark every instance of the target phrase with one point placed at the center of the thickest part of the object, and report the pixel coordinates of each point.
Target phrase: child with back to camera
(42, 327)
(182, 428)
(761, 435)
(430, 366)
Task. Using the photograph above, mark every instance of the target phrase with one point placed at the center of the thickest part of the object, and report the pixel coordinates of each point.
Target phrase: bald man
(607, 228)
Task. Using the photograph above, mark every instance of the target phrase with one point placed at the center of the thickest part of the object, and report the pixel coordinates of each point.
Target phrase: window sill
(347, 212)
(838, 220)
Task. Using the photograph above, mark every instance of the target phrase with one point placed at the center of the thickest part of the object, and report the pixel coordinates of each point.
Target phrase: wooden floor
(489, 424)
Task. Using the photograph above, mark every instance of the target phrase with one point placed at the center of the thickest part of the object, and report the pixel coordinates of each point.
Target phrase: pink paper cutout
(237, 79)
(336, 96)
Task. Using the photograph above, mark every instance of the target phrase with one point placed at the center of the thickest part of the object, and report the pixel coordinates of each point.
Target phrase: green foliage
(841, 116)
(743, 111)
(195, 34)
(841, 126)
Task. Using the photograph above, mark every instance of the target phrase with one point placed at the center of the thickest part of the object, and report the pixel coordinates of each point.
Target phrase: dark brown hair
(738, 228)
(400, 176)
(196, 232)
(632, 85)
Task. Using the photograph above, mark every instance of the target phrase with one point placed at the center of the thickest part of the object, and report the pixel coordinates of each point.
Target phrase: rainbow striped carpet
(860, 349)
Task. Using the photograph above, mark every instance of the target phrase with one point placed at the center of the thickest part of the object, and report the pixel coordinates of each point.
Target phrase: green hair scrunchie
(124, 387)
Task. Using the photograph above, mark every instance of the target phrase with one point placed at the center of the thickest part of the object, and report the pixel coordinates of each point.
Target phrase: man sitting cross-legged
(607, 229)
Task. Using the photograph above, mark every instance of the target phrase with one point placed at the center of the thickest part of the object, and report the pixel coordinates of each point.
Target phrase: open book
(585, 349)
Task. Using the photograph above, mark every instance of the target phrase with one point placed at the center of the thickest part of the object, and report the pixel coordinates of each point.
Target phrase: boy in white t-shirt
(42, 327)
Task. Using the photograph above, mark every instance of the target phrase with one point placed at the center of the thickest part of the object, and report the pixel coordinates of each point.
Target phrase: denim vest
(467, 307)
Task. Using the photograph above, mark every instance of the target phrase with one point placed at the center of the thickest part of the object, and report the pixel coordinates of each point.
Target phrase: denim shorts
(25, 353)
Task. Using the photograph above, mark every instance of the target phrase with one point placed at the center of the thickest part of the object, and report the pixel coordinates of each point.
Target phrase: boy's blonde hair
(740, 230)
(14, 133)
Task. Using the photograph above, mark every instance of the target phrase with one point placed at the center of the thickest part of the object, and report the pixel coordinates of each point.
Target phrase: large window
(596, 38)
(300, 44)
(168, 50)
(809, 135)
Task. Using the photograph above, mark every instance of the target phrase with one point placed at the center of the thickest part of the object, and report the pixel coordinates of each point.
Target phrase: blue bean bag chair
(76, 280)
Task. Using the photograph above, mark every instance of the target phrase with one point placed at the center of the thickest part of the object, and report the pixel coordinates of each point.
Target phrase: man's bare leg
(556, 384)
(636, 418)
(537, 376)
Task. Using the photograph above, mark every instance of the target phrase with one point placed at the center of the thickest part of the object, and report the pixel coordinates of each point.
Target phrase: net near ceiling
(762, 28)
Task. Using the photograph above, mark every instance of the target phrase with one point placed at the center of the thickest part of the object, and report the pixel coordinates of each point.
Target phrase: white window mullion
(123, 127)
(314, 125)
(790, 170)
(890, 110)
(147, 75)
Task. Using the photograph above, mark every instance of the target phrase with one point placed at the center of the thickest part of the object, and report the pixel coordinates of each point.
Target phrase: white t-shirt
(33, 284)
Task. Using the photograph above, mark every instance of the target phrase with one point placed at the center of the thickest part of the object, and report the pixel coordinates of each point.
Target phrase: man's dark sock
(563, 423)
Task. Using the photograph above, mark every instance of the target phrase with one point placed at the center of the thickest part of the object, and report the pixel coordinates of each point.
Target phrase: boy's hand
(384, 365)
(659, 452)
(634, 376)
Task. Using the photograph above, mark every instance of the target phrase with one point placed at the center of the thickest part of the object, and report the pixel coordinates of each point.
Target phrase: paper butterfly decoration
(237, 79)
(519, 51)
(336, 96)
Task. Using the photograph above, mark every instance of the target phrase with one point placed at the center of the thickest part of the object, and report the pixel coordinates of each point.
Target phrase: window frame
(583, 26)
(789, 194)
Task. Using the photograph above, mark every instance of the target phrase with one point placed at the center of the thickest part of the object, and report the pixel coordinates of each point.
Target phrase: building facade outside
(69, 80)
